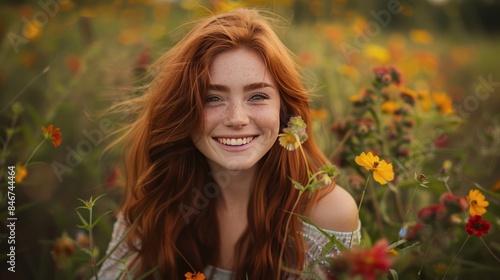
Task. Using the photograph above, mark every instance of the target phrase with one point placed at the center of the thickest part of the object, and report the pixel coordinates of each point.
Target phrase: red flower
(433, 212)
(111, 180)
(476, 225)
(387, 75)
(370, 263)
(53, 134)
(74, 63)
(454, 204)
(144, 58)
(441, 141)
(415, 232)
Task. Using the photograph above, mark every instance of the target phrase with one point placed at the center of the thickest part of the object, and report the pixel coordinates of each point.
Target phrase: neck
(235, 188)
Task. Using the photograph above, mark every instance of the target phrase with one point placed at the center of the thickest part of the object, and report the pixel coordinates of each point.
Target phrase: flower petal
(364, 161)
(377, 177)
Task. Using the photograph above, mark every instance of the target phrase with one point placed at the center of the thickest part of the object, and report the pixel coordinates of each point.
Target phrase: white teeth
(235, 141)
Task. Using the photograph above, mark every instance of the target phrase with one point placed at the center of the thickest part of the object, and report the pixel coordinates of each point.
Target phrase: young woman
(208, 184)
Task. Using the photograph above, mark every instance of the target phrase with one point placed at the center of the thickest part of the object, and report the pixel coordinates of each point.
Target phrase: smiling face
(241, 112)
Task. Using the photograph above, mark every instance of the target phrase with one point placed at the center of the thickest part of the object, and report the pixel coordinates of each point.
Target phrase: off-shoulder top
(117, 264)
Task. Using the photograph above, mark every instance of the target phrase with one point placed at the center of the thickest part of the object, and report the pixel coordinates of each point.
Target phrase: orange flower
(321, 114)
(443, 102)
(53, 134)
(496, 186)
(421, 36)
(62, 251)
(21, 173)
(195, 276)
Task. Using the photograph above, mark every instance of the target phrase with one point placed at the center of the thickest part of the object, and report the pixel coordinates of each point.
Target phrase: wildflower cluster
(384, 119)
(434, 220)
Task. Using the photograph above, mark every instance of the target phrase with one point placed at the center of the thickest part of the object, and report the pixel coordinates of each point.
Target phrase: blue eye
(259, 96)
(213, 99)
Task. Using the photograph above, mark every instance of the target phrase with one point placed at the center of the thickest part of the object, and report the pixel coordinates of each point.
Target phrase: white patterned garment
(116, 265)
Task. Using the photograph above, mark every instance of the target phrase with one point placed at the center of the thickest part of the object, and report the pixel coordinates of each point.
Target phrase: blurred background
(61, 62)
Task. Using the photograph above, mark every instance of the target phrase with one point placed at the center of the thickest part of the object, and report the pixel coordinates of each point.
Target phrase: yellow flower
(444, 103)
(294, 134)
(21, 172)
(382, 171)
(389, 107)
(377, 52)
(477, 203)
(289, 141)
(355, 98)
(447, 164)
(424, 100)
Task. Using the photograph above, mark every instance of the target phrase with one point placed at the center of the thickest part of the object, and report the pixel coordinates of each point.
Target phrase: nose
(236, 115)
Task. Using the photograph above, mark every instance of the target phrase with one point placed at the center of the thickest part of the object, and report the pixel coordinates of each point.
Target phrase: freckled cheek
(270, 122)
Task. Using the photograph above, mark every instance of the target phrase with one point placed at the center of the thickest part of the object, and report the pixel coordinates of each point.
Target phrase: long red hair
(169, 188)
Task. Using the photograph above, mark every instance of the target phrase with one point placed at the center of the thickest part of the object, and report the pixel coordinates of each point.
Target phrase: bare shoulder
(335, 211)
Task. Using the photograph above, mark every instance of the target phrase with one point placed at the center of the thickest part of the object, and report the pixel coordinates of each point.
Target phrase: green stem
(489, 250)
(9, 136)
(91, 244)
(425, 255)
(305, 159)
(408, 210)
(448, 268)
(376, 209)
(341, 143)
(34, 151)
(286, 233)
(359, 209)
(445, 182)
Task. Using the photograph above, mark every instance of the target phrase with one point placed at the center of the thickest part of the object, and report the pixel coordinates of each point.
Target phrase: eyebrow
(249, 87)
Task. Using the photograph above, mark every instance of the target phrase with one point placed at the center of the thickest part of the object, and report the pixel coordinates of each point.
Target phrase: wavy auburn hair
(169, 188)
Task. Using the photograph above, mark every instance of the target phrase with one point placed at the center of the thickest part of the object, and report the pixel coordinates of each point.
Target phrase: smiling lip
(235, 141)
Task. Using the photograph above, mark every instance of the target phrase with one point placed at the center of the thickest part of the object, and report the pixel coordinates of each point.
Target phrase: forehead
(239, 66)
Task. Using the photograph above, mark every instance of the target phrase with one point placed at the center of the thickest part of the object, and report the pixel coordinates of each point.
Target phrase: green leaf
(297, 185)
(394, 274)
(409, 247)
(396, 244)
(85, 223)
(97, 198)
(100, 218)
(83, 227)
(119, 241)
(87, 251)
(331, 238)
